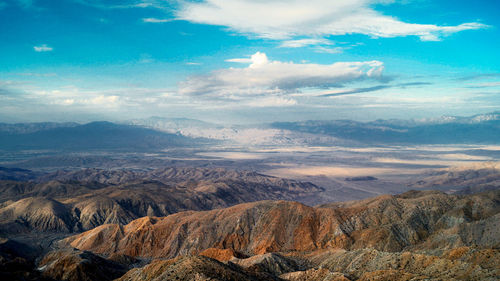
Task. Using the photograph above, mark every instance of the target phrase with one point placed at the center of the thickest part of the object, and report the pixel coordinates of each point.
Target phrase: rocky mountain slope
(74, 265)
(412, 220)
(193, 268)
(418, 235)
(191, 224)
(82, 200)
(462, 180)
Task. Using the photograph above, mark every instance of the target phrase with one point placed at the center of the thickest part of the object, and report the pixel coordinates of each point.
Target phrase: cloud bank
(278, 19)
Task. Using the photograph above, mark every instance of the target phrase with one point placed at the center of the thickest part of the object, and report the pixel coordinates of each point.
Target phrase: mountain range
(479, 129)
(81, 200)
(412, 236)
(156, 133)
(105, 136)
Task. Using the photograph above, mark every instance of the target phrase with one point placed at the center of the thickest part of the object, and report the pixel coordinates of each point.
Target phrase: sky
(247, 61)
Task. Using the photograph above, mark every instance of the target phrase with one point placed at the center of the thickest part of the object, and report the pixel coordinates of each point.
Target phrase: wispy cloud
(373, 89)
(275, 101)
(478, 76)
(155, 20)
(318, 45)
(329, 50)
(356, 91)
(265, 77)
(43, 48)
(124, 4)
(284, 20)
(402, 85)
(299, 43)
(485, 85)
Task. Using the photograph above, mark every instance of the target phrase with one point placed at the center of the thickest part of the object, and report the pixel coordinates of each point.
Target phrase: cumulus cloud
(278, 19)
(42, 48)
(265, 77)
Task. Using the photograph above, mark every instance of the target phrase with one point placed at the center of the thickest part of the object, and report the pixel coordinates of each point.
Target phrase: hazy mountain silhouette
(93, 136)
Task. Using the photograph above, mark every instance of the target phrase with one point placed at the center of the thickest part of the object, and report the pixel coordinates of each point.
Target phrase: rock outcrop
(36, 213)
(370, 264)
(192, 268)
(74, 265)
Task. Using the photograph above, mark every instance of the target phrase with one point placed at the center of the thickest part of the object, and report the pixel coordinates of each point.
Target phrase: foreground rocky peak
(74, 265)
(192, 268)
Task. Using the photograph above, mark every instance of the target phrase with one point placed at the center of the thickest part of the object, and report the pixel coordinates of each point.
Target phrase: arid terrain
(185, 223)
(288, 204)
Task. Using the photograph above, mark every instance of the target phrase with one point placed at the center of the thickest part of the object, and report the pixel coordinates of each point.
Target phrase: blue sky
(242, 61)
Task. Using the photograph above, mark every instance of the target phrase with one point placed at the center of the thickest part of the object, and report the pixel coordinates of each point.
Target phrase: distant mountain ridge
(478, 129)
(92, 136)
(26, 128)
(158, 132)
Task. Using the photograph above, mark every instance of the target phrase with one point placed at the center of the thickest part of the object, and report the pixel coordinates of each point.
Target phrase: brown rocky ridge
(413, 236)
(386, 223)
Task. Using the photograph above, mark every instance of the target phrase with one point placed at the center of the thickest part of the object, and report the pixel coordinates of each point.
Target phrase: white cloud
(278, 19)
(274, 101)
(123, 4)
(43, 48)
(304, 43)
(155, 20)
(265, 77)
(329, 50)
(320, 45)
(240, 60)
(102, 100)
